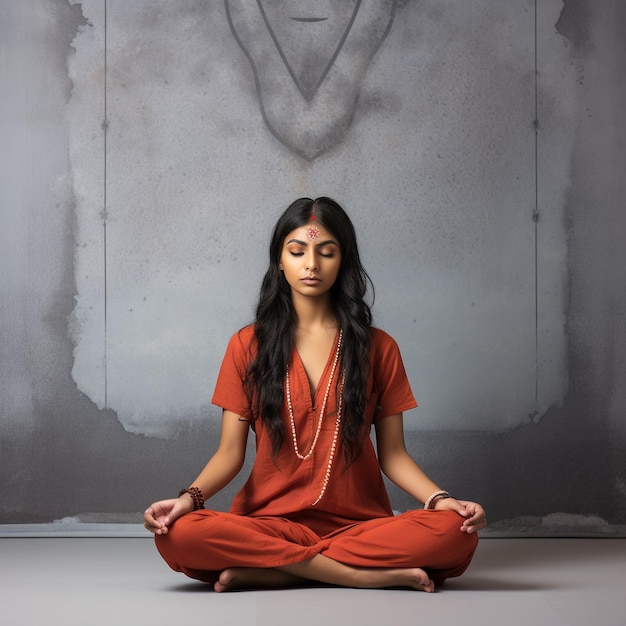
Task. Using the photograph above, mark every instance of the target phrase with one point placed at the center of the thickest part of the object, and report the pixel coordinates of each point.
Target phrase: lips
(311, 280)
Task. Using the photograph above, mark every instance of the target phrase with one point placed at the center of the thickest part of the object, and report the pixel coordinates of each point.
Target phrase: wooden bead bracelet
(196, 496)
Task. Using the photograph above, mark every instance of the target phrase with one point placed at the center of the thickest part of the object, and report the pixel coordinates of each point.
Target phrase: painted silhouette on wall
(309, 60)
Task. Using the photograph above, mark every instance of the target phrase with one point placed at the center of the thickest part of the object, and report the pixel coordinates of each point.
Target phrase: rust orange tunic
(273, 519)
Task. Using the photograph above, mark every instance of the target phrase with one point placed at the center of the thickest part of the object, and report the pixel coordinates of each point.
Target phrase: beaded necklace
(292, 422)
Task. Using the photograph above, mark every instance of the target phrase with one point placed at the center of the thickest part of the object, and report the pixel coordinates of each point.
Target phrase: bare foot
(326, 570)
(418, 579)
(412, 578)
(254, 578)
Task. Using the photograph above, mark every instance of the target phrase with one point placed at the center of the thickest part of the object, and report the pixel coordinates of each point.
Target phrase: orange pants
(203, 543)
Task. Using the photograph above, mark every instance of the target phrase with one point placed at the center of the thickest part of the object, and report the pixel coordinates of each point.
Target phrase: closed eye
(326, 255)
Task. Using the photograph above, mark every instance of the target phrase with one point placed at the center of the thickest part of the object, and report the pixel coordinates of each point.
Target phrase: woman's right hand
(159, 516)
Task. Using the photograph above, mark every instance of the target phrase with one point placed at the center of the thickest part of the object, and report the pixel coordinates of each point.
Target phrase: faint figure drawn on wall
(309, 60)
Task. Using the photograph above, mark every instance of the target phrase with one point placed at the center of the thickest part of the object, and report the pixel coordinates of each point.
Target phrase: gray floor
(93, 581)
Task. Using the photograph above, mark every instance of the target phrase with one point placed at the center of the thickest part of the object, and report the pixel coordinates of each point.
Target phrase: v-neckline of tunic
(312, 399)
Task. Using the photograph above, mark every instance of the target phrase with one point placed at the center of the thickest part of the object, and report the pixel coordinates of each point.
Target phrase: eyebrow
(317, 245)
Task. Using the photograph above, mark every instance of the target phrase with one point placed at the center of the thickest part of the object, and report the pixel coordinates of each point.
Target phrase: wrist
(194, 495)
(436, 497)
(441, 501)
(187, 501)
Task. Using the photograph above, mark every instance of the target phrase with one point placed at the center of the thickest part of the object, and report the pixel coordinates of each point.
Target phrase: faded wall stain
(450, 165)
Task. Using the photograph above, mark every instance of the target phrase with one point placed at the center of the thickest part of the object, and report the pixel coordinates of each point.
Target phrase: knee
(451, 527)
(450, 521)
(182, 537)
(444, 528)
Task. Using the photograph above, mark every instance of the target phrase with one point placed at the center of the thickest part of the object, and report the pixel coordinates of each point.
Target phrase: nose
(311, 260)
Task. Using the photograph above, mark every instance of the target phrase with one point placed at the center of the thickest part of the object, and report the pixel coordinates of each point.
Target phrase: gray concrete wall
(148, 148)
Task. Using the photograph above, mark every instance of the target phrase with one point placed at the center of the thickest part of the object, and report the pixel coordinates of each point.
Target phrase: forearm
(228, 460)
(404, 472)
(217, 473)
(397, 464)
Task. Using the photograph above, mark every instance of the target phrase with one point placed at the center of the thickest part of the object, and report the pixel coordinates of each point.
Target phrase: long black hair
(275, 324)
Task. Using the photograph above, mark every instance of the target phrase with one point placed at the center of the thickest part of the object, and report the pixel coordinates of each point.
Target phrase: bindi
(312, 232)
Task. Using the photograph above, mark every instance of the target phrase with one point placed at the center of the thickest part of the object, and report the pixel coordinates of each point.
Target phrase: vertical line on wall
(536, 215)
(105, 127)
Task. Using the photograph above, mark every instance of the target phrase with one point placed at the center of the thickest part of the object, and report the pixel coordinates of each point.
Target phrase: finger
(474, 524)
(157, 528)
(471, 519)
(150, 522)
(475, 513)
(461, 509)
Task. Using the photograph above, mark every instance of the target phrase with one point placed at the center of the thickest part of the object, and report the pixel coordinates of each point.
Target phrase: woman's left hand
(474, 514)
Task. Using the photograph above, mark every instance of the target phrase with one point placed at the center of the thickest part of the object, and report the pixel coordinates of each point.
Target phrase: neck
(314, 313)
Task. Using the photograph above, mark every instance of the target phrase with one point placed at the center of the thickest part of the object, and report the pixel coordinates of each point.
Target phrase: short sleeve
(229, 393)
(391, 385)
